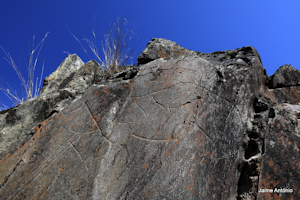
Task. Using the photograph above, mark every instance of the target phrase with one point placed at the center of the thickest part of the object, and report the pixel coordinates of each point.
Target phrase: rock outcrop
(181, 125)
(285, 76)
(69, 81)
(73, 75)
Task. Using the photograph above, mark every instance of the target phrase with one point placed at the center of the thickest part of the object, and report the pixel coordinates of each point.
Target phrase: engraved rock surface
(17, 124)
(181, 126)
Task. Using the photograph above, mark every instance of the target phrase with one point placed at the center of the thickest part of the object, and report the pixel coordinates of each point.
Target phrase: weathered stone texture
(17, 124)
(78, 81)
(285, 76)
(161, 48)
(280, 164)
(70, 65)
(70, 80)
(182, 125)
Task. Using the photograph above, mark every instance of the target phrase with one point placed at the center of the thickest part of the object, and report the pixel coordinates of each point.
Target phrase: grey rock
(124, 74)
(70, 79)
(70, 65)
(161, 48)
(84, 77)
(279, 166)
(293, 109)
(285, 76)
(17, 124)
(184, 125)
(285, 94)
(74, 76)
(283, 85)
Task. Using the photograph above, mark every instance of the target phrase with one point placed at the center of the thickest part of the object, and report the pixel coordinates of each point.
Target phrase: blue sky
(271, 27)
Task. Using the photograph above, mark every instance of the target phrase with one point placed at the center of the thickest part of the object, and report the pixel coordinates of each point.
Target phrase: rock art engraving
(181, 125)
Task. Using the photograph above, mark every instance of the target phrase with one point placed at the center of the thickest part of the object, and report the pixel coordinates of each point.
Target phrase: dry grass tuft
(115, 49)
(31, 89)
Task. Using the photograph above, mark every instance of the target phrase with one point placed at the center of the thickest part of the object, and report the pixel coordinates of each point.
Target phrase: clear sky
(271, 27)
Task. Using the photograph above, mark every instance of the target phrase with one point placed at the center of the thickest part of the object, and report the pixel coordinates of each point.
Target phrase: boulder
(88, 74)
(285, 76)
(284, 85)
(181, 125)
(161, 48)
(67, 68)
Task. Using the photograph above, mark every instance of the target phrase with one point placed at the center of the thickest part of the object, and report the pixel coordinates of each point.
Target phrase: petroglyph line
(139, 106)
(90, 113)
(79, 155)
(64, 112)
(161, 140)
(159, 104)
(10, 173)
(204, 132)
(44, 164)
(168, 107)
(184, 104)
(143, 138)
(126, 102)
(153, 140)
(162, 89)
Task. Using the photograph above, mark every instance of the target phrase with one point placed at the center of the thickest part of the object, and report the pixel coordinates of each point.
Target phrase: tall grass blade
(31, 88)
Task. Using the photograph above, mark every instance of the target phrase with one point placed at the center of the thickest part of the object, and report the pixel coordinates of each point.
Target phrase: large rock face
(182, 125)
